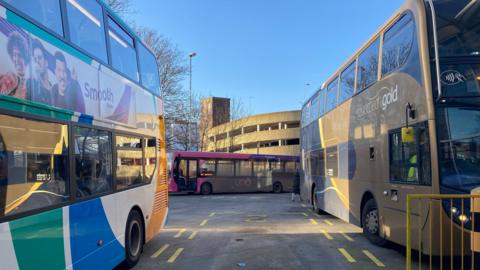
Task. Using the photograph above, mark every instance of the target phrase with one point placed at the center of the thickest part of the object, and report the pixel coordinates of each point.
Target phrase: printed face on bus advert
(61, 75)
(40, 64)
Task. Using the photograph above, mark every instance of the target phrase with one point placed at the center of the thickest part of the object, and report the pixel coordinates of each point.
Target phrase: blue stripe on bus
(88, 226)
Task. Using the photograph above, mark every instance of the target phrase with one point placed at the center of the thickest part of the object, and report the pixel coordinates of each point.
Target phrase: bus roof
(219, 155)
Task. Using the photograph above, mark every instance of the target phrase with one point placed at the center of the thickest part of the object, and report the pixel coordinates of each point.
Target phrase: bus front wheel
(206, 189)
(277, 187)
(134, 239)
(371, 223)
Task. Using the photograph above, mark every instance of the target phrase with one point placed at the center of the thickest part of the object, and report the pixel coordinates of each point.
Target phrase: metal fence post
(409, 244)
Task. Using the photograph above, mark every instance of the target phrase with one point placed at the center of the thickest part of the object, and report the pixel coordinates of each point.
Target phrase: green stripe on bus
(20, 105)
(38, 241)
(37, 31)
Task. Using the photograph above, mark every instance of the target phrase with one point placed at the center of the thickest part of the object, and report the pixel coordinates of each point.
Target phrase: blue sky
(263, 52)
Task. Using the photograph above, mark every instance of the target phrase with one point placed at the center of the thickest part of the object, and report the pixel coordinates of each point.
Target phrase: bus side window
(93, 161)
(46, 12)
(33, 165)
(368, 66)
(332, 95)
(129, 171)
(410, 161)
(86, 27)
(397, 44)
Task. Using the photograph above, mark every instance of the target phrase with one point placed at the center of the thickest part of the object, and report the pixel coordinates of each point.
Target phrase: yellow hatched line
(204, 222)
(180, 233)
(328, 222)
(313, 221)
(305, 214)
(159, 251)
(327, 235)
(175, 255)
(212, 214)
(347, 255)
(346, 236)
(192, 235)
(374, 259)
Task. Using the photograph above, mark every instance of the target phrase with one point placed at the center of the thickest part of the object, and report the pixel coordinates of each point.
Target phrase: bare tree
(173, 69)
(123, 8)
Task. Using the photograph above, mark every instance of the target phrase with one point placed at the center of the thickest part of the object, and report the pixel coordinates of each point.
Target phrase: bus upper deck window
(46, 12)
(368, 66)
(148, 70)
(86, 28)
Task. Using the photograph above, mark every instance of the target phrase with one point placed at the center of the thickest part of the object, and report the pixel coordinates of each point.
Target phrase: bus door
(186, 175)
(410, 173)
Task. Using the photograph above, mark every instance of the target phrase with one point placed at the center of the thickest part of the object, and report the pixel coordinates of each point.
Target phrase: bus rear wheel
(206, 189)
(371, 223)
(277, 187)
(134, 239)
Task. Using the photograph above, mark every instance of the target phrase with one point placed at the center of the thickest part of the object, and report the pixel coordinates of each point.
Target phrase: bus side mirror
(408, 135)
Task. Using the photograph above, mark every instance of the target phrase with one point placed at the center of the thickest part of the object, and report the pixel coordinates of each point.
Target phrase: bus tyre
(371, 223)
(206, 189)
(134, 239)
(277, 187)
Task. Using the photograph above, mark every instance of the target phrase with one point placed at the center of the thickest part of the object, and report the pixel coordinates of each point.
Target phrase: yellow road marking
(305, 214)
(346, 236)
(180, 233)
(212, 214)
(313, 221)
(327, 235)
(374, 259)
(204, 222)
(328, 222)
(175, 255)
(347, 255)
(159, 251)
(192, 235)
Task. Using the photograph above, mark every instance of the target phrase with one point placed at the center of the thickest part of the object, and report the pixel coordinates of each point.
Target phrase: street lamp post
(191, 55)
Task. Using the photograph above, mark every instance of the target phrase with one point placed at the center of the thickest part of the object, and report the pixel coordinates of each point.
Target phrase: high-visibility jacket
(412, 170)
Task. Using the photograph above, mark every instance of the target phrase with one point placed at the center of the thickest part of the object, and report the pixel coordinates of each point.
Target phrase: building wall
(273, 133)
(214, 111)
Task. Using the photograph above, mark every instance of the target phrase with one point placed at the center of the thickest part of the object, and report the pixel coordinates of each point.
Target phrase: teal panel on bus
(20, 105)
(37, 31)
(38, 241)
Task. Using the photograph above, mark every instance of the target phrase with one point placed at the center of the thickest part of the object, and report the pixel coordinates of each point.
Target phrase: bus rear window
(148, 70)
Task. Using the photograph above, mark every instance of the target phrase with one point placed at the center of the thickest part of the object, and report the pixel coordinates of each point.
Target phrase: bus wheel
(134, 238)
(206, 189)
(277, 187)
(371, 223)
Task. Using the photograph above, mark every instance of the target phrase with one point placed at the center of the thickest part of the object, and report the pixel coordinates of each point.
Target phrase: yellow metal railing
(443, 231)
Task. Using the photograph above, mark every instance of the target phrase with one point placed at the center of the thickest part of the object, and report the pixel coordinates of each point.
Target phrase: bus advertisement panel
(206, 173)
(60, 76)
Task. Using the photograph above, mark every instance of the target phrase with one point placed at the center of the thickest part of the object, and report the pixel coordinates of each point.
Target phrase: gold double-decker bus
(400, 117)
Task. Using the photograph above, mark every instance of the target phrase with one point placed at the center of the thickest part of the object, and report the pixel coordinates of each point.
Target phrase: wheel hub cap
(372, 221)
